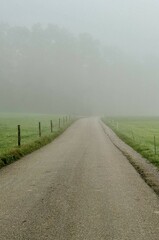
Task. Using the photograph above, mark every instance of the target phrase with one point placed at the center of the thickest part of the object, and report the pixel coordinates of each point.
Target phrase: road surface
(79, 187)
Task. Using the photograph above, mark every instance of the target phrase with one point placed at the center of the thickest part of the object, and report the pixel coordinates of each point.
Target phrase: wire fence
(148, 140)
(12, 135)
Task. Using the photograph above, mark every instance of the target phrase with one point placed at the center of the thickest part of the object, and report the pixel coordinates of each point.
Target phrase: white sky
(131, 25)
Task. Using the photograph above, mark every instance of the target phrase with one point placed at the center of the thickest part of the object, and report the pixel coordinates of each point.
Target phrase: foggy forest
(48, 68)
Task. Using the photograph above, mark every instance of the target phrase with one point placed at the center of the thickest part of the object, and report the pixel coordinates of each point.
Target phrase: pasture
(140, 133)
(29, 128)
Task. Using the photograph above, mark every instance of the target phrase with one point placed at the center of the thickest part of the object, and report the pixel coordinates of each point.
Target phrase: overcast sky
(131, 25)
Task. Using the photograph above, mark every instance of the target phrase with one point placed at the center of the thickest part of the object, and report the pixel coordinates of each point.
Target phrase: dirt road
(80, 187)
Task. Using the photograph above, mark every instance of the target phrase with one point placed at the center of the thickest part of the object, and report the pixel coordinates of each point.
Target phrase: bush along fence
(21, 149)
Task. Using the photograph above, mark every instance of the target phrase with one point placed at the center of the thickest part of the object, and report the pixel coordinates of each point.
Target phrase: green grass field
(29, 129)
(139, 133)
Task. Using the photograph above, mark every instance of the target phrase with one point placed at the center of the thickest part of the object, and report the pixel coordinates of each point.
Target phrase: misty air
(79, 119)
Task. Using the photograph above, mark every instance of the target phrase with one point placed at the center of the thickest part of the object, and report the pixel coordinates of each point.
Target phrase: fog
(92, 57)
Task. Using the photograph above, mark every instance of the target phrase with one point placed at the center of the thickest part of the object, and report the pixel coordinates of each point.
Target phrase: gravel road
(79, 187)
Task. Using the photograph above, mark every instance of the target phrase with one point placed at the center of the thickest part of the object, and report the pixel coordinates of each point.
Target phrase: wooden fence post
(39, 129)
(19, 136)
(155, 148)
(51, 125)
(133, 137)
(59, 123)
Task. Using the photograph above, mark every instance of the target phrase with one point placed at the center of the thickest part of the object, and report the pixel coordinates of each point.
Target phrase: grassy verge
(9, 152)
(138, 133)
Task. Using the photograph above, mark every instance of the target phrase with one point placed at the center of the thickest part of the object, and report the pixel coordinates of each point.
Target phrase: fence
(62, 122)
(135, 138)
(29, 129)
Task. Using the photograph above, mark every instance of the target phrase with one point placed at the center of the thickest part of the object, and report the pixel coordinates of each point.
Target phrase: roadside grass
(30, 140)
(139, 133)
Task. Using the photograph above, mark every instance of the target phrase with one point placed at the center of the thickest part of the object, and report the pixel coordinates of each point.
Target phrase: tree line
(48, 69)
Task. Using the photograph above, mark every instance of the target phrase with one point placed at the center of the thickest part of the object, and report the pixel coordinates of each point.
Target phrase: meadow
(29, 131)
(140, 133)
